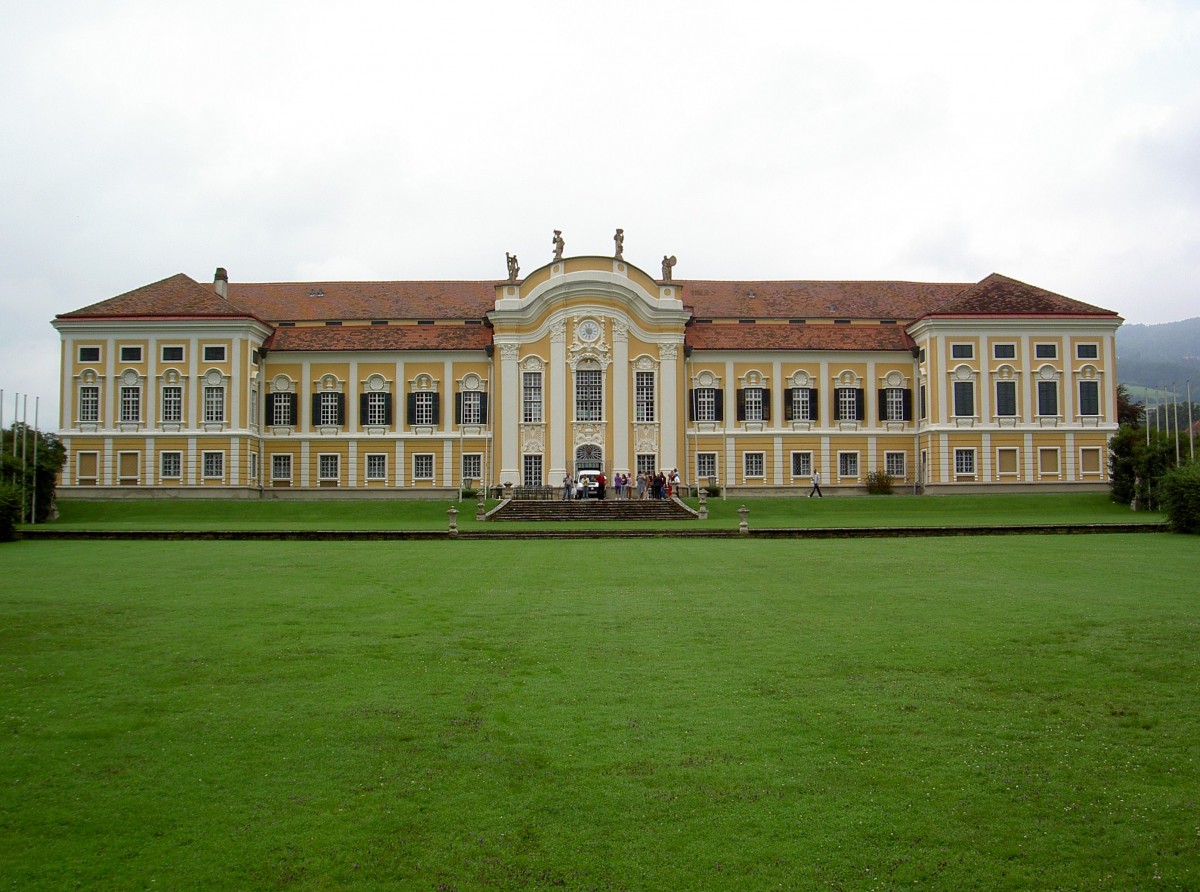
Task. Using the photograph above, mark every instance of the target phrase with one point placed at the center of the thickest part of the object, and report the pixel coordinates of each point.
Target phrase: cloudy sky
(1054, 141)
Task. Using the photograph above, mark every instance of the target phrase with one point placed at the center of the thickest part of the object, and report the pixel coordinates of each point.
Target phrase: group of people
(660, 485)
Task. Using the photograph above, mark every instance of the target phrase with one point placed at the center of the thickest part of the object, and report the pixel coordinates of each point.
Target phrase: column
(510, 387)
(554, 404)
(668, 399)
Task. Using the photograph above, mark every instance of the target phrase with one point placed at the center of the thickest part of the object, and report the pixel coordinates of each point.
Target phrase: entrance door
(588, 458)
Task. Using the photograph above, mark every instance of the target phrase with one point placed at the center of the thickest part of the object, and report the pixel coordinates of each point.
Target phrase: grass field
(886, 511)
(650, 714)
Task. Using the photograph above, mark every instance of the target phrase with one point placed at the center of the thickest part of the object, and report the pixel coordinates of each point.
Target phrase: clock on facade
(589, 330)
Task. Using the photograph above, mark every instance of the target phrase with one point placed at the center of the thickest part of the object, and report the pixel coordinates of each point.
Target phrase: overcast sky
(1054, 141)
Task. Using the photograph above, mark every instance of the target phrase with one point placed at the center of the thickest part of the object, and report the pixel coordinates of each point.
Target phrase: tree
(1137, 463)
(1129, 412)
(30, 464)
(1180, 491)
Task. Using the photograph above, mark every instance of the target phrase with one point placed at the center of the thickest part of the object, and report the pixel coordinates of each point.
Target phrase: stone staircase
(591, 509)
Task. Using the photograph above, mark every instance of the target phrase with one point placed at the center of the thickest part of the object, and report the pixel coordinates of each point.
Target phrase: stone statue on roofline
(558, 243)
(513, 268)
(619, 240)
(667, 266)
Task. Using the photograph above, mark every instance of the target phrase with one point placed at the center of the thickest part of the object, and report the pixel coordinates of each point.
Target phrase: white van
(591, 487)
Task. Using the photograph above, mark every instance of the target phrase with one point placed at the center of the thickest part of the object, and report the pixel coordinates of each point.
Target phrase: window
(1045, 351)
(254, 405)
(1004, 351)
(377, 408)
(1087, 351)
(214, 405)
(706, 465)
(472, 466)
(281, 467)
(172, 403)
(753, 405)
(705, 404)
(1048, 461)
(848, 464)
(895, 404)
(801, 464)
(647, 462)
(753, 464)
(1006, 398)
(172, 354)
(532, 470)
(253, 465)
(470, 407)
(131, 404)
(281, 409)
(376, 466)
(921, 356)
(849, 404)
(531, 397)
(214, 353)
(170, 465)
(643, 396)
(1089, 397)
(423, 466)
(328, 405)
(1006, 461)
(214, 465)
(802, 403)
(894, 464)
(131, 354)
(127, 467)
(924, 407)
(424, 413)
(962, 351)
(589, 395)
(1089, 460)
(964, 399)
(329, 466)
(964, 462)
(89, 403)
(87, 465)
(89, 354)
(1047, 396)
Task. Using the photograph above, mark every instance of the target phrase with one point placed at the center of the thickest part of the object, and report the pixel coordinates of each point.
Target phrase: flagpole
(24, 449)
(37, 400)
(1175, 412)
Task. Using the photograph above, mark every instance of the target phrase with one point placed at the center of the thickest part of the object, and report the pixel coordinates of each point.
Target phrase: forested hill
(1153, 355)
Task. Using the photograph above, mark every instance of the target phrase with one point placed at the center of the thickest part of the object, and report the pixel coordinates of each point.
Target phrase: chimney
(221, 283)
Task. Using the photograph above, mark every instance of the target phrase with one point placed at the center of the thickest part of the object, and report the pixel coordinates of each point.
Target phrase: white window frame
(172, 409)
(422, 466)
(706, 403)
(281, 461)
(802, 404)
(1099, 472)
(89, 409)
(281, 409)
(752, 403)
(965, 464)
(214, 352)
(532, 469)
(954, 407)
(1016, 401)
(1096, 386)
(131, 403)
(1048, 382)
(472, 466)
(1006, 344)
(1016, 471)
(895, 464)
(754, 465)
(1045, 351)
(327, 408)
(423, 408)
(377, 403)
(1092, 345)
(472, 407)
(375, 466)
(163, 472)
(848, 464)
(329, 466)
(89, 359)
(589, 394)
(893, 403)
(531, 397)
(847, 403)
(1044, 451)
(165, 347)
(214, 403)
(802, 463)
(703, 469)
(962, 351)
(212, 464)
(644, 391)
(134, 354)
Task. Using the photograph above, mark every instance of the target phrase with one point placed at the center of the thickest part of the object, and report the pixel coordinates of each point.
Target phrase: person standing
(568, 488)
(618, 482)
(816, 484)
(641, 486)
(600, 481)
(676, 484)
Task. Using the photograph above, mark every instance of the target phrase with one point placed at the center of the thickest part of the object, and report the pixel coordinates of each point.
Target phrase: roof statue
(619, 239)
(513, 267)
(558, 243)
(668, 263)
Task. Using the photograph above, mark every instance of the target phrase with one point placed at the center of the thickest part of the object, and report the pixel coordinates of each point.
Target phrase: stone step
(590, 509)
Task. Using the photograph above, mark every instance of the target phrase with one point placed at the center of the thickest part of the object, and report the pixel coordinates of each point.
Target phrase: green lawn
(895, 510)
(942, 713)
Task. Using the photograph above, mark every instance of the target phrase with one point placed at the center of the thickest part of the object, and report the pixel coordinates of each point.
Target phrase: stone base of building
(296, 493)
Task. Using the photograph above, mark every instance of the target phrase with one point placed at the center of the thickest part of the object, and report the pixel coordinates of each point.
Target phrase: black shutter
(316, 409)
(458, 400)
(387, 408)
(883, 404)
(411, 416)
(437, 408)
(814, 411)
(741, 404)
(718, 405)
(691, 404)
(860, 409)
(270, 408)
(787, 404)
(766, 403)
(341, 409)
(363, 399)
(837, 404)
(483, 408)
(906, 399)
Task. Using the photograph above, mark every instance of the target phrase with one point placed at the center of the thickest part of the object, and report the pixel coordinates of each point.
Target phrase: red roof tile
(816, 300)
(381, 337)
(178, 295)
(311, 301)
(999, 295)
(730, 336)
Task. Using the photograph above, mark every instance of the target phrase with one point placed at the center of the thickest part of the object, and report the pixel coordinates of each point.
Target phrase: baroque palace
(588, 363)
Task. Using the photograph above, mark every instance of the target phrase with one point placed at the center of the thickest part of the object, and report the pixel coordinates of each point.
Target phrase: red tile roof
(178, 295)
(816, 300)
(730, 336)
(311, 301)
(999, 295)
(381, 337)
